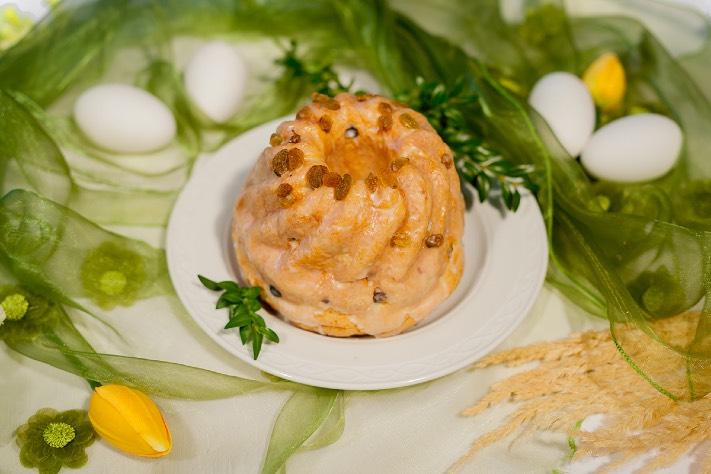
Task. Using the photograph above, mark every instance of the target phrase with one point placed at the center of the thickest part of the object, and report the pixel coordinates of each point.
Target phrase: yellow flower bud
(605, 79)
(129, 421)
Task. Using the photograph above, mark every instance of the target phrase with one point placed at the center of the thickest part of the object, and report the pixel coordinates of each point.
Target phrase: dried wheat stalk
(585, 375)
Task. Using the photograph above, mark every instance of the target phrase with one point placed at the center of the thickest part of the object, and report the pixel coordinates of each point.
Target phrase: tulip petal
(130, 421)
(111, 425)
(605, 79)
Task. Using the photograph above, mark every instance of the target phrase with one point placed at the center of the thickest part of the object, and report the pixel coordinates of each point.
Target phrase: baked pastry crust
(352, 219)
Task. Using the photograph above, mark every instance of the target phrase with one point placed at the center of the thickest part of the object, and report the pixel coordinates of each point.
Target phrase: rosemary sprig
(322, 78)
(446, 109)
(477, 162)
(243, 304)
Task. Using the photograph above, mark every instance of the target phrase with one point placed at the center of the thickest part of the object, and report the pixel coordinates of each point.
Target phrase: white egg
(565, 103)
(634, 148)
(215, 79)
(124, 119)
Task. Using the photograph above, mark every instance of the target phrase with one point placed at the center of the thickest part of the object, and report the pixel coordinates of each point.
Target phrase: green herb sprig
(446, 109)
(477, 162)
(321, 77)
(243, 304)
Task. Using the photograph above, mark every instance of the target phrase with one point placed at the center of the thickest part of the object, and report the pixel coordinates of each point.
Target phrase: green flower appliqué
(26, 314)
(14, 306)
(113, 275)
(58, 435)
(51, 440)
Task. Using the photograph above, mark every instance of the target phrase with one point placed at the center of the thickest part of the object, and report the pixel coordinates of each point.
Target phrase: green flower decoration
(51, 440)
(29, 236)
(14, 306)
(113, 275)
(26, 314)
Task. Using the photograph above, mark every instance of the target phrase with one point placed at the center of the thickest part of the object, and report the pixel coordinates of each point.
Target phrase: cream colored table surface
(414, 430)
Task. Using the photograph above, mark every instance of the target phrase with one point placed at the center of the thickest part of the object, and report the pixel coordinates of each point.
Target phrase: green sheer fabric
(56, 252)
(47, 334)
(310, 419)
(635, 255)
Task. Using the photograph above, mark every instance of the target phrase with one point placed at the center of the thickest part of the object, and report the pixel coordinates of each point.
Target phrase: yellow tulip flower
(129, 421)
(605, 79)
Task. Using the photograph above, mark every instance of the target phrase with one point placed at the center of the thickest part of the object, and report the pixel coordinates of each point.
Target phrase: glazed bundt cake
(352, 219)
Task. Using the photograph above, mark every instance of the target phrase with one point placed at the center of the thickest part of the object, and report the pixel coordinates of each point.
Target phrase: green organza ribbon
(54, 252)
(57, 256)
(643, 256)
(635, 255)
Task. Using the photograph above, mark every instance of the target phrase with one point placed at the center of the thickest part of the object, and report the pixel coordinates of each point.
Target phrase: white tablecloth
(410, 430)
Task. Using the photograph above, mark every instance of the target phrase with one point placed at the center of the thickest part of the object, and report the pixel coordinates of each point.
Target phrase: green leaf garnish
(269, 334)
(256, 343)
(242, 304)
(478, 163)
(207, 283)
(228, 286)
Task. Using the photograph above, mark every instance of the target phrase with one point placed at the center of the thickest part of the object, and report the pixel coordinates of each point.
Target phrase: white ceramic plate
(505, 264)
